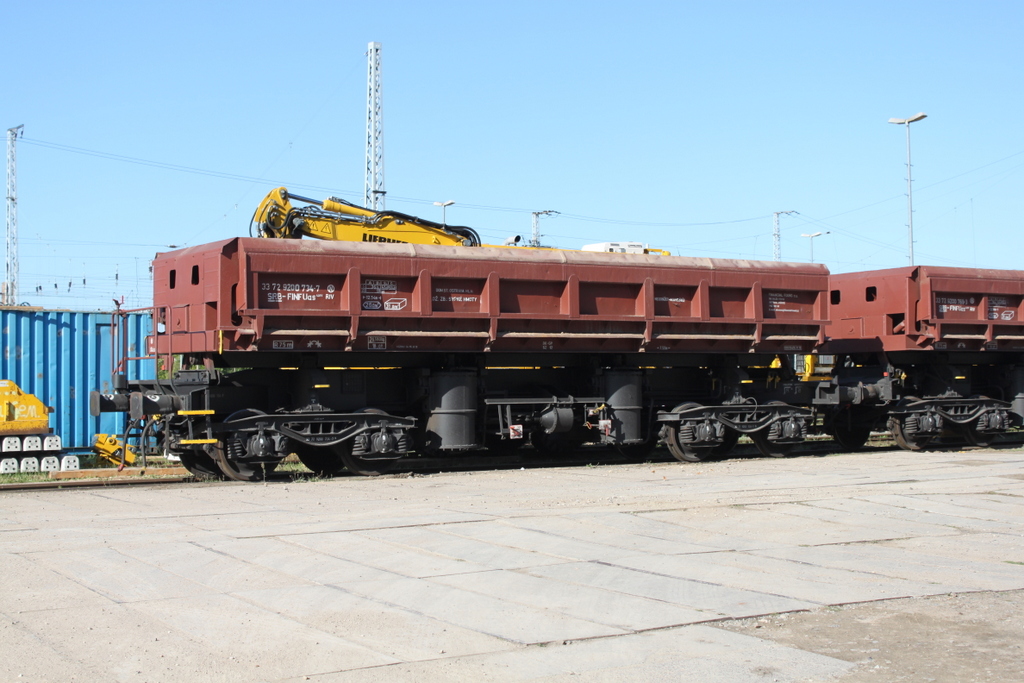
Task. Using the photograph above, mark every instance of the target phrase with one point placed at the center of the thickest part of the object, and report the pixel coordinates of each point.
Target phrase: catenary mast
(373, 188)
(777, 236)
(10, 293)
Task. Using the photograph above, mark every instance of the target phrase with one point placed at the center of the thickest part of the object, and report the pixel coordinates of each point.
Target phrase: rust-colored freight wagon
(927, 307)
(290, 295)
(944, 347)
(353, 354)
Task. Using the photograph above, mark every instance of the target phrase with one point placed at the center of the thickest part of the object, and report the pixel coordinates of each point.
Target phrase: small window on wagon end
(172, 278)
(835, 296)
(897, 323)
(870, 294)
(195, 275)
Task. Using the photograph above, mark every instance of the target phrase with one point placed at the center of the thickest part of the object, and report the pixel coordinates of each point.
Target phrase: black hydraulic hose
(460, 230)
(468, 233)
(316, 212)
(251, 221)
(124, 444)
(142, 440)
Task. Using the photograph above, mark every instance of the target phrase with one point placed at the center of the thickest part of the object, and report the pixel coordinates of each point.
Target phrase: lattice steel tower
(373, 188)
(535, 241)
(10, 293)
(777, 236)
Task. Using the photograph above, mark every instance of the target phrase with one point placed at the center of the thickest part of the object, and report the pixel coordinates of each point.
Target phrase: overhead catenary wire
(704, 247)
(482, 207)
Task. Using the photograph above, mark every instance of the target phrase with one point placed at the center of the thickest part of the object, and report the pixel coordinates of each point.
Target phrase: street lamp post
(910, 192)
(811, 237)
(444, 210)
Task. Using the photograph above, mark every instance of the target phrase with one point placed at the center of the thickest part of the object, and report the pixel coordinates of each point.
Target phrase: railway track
(91, 483)
(525, 459)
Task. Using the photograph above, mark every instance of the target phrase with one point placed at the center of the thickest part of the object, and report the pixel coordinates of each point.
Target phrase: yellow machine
(21, 414)
(336, 219)
(113, 450)
(28, 445)
(816, 368)
(26, 442)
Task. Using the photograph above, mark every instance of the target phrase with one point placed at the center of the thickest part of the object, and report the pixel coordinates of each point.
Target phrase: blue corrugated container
(60, 356)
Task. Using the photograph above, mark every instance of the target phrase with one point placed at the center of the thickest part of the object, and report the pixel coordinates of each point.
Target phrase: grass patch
(24, 478)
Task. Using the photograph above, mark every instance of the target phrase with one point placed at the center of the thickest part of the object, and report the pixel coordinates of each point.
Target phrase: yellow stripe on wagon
(196, 441)
(195, 412)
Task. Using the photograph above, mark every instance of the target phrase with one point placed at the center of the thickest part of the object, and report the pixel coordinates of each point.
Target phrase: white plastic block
(52, 443)
(12, 444)
(31, 443)
(9, 466)
(50, 464)
(69, 463)
(30, 465)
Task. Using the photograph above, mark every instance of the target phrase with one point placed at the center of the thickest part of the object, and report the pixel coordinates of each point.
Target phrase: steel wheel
(237, 470)
(200, 464)
(323, 462)
(688, 453)
(685, 452)
(905, 440)
(973, 436)
(851, 436)
(908, 442)
(976, 438)
(770, 449)
(637, 452)
(240, 470)
(728, 443)
(367, 467)
(362, 466)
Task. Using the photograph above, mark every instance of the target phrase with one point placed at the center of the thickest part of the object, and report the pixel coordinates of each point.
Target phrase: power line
(177, 167)
(252, 179)
(614, 221)
(481, 207)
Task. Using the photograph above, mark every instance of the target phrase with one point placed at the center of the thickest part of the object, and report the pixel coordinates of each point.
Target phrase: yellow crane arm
(338, 220)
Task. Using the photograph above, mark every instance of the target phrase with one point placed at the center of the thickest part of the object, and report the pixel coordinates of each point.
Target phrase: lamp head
(916, 117)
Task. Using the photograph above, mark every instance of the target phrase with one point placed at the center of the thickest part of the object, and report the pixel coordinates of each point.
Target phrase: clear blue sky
(680, 124)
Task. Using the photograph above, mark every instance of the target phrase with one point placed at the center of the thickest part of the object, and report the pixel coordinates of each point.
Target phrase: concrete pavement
(583, 574)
